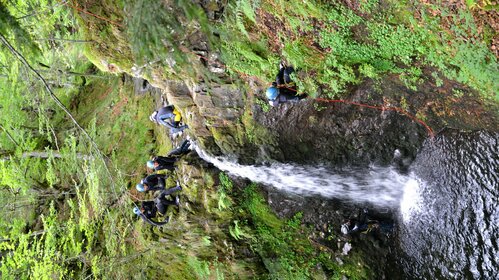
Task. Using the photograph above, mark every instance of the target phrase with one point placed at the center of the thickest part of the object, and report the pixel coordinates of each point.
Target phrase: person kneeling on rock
(160, 162)
(149, 209)
(283, 89)
(170, 117)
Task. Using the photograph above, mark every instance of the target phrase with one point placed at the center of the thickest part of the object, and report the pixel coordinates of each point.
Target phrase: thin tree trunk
(59, 103)
(70, 73)
(44, 154)
(65, 40)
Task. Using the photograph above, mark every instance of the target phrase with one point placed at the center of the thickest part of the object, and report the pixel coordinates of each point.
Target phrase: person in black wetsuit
(149, 209)
(154, 182)
(365, 224)
(160, 162)
(283, 89)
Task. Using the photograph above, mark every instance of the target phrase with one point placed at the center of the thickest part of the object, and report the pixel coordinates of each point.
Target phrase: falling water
(381, 186)
(449, 213)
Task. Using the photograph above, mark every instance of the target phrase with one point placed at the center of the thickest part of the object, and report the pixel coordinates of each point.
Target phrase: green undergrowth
(120, 119)
(334, 46)
(282, 244)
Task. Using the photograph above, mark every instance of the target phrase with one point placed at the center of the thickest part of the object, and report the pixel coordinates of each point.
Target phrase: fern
(235, 231)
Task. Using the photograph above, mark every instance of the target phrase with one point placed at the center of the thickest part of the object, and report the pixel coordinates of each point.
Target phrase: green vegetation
(335, 46)
(66, 187)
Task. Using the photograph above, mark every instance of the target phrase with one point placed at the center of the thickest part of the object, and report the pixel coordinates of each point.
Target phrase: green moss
(230, 138)
(110, 50)
(254, 132)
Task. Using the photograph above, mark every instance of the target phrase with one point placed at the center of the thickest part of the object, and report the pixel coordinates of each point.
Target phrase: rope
(94, 15)
(381, 108)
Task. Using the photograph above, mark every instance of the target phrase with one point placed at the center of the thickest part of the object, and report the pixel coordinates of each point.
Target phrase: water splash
(381, 186)
(411, 202)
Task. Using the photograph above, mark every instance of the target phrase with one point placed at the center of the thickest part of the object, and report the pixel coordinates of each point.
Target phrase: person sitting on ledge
(365, 224)
(149, 209)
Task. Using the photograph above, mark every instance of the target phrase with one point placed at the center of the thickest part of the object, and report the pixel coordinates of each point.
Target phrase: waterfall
(380, 186)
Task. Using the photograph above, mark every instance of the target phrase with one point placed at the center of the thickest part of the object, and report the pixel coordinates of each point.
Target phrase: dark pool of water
(453, 232)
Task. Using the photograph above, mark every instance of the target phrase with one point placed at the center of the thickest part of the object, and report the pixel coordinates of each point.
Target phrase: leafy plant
(235, 231)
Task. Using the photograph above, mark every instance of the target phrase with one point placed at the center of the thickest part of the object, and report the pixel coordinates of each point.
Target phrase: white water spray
(381, 186)
(411, 202)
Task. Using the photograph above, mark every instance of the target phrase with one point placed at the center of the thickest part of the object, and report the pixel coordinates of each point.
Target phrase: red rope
(382, 108)
(94, 15)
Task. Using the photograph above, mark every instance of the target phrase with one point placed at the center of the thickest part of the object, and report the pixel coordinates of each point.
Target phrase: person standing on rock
(149, 209)
(283, 89)
(170, 117)
(160, 162)
(364, 224)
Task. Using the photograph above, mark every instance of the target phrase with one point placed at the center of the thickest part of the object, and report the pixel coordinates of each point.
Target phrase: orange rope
(94, 15)
(382, 108)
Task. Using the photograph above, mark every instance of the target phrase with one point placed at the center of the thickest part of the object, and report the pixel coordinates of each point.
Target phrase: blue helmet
(140, 187)
(150, 164)
(272, 93)
(136, 210)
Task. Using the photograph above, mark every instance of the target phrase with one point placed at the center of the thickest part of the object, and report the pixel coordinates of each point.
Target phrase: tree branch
(42, 11)
(40, 154)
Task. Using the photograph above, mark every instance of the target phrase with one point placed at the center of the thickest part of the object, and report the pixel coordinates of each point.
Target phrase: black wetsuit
(287, 89)
(169, 161)
(155, 182)
(164, 163)
(181, 150)
(366, 223)
(162, 202)
(149, 210)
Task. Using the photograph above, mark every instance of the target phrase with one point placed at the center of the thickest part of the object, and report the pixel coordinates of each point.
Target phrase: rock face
(315, 132)
(224, 118)
(209, 111)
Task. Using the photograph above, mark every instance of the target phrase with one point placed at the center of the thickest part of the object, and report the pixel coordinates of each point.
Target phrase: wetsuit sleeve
(279, 78)
(166, 123)
(161, 182)
(184, 148)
